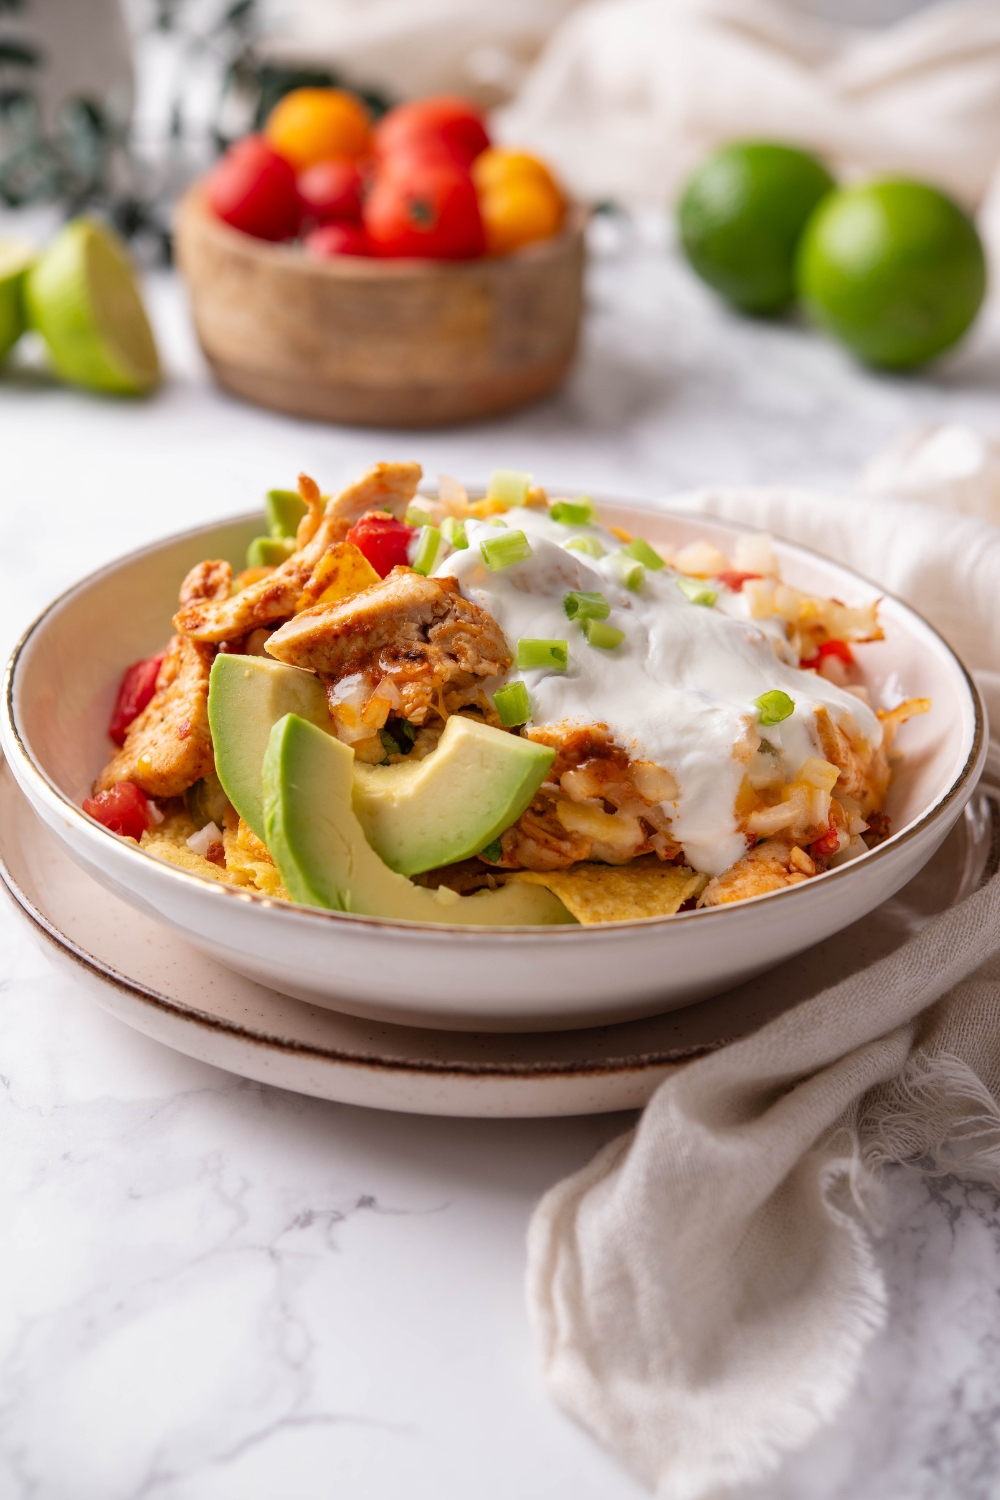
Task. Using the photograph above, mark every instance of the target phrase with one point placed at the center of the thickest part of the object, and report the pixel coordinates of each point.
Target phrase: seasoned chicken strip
(169, 745)
(767, 867)
(391, 486)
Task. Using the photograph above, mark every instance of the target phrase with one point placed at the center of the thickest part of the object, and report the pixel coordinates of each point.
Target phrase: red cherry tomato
(123, 810)
(134, 692)
(447, 118)
(425, 208)
(383, 540)
(735, 581)
(331, 190)
(253, 189)
(840, 649)
(331, 240)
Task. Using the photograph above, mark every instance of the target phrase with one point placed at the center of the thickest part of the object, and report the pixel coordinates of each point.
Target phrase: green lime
(82, 297)
(741, 216)
(893, 269)
(15, 258)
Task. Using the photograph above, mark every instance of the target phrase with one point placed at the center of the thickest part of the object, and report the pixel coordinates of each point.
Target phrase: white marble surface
(216, 1290)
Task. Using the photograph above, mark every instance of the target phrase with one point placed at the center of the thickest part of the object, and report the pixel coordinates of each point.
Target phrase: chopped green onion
(428, 547)
(774, 707)
(512, 704)
(532, 653)
(509, 486)
(269, 551)
(417, 516)
(697, 592)
(501, 551)
(389, 744)
(580, 605)
(285, 509)
(453, 531)
(496, 521)
(629, 572)
(644, 553)
(600, 634)
(586, 544)
(493, 852)
(578, 512)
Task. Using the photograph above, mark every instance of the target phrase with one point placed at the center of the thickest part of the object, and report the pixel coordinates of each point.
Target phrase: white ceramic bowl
(59, 689)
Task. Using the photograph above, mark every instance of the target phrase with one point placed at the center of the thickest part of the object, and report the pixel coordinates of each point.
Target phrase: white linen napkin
(703, 1292)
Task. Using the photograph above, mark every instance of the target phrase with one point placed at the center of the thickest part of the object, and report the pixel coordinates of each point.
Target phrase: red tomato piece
(735, 581)
(383, 540)
(253, 189)
(454, 122)
(331, 190)
(135, 690)
(123, 810)
(840, 649)
(426, 208)
(827, 845)
(330, 240)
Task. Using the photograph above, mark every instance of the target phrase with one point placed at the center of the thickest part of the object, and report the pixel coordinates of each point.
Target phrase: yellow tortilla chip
(341, 572)
(619, 893)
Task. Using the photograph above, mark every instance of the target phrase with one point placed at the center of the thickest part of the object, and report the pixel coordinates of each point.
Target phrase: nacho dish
(498, 711)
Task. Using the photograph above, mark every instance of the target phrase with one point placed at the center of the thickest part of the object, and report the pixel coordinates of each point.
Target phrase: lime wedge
(15, 258)
(82, 297)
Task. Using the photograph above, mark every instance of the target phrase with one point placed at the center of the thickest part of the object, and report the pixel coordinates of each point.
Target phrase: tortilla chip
(341, 572)
(619, 893)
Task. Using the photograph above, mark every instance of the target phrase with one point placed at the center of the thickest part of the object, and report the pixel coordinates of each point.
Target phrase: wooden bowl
(382, 343)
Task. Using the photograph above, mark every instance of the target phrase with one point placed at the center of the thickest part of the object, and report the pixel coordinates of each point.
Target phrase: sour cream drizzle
(678, 690)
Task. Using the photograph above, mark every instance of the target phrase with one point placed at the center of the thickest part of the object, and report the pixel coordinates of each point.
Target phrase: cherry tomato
(383, 540)
(330, 240)
(312, 125)
(839, 649)
(135, 690)
(446, 118)
(424, 208)
(253, 189)
(331, 190)
(519, 212)
(498, 165)
(123, 810)
(735, 581)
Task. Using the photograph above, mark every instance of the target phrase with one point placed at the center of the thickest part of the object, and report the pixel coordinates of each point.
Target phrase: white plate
(60, 687)
(165, 987)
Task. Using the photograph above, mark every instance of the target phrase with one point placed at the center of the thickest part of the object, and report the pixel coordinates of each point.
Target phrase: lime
(741, 216)
(894, 269)
(15, 258)
(82, 297)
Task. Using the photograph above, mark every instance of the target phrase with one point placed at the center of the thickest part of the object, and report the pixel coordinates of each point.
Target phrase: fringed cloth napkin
(703, 1291)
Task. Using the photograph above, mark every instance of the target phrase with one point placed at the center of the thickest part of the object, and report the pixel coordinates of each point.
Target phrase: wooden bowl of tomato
(412, 277)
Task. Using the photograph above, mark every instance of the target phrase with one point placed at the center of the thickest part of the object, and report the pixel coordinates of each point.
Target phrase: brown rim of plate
(562, 933)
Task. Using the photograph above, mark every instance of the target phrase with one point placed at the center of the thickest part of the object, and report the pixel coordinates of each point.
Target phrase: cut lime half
(15, 258)
(82, 297)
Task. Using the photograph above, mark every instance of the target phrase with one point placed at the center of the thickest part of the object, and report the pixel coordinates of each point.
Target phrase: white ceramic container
(59, 689)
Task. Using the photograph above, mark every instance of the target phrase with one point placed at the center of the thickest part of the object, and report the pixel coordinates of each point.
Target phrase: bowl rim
(87, 826)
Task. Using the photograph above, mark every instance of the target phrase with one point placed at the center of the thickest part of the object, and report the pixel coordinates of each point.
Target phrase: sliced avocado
(269, 551)
(285, 510)
(325, 860)
(477, 781)
(246, 695)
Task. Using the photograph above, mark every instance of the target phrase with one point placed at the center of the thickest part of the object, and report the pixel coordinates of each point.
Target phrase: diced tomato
(735, 581)
(253, 189)
(330, 240)
(424, 207)
(840, 649)
(136, 688)
(443, 119)
(383, 540)
(826, 845)
(123, 810)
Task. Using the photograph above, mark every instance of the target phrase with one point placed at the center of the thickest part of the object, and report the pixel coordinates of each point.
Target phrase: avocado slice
(325, 860)
(475, 783)
(246, 695)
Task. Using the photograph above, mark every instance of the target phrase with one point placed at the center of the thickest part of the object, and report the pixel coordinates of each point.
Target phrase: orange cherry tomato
(517, 212)
(445, 119)
(426, 208)
(312, 125)
(331, 190)
(499, 165)
(253, 189)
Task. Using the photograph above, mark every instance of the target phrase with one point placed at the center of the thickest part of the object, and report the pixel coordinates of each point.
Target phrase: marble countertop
(214, 1289)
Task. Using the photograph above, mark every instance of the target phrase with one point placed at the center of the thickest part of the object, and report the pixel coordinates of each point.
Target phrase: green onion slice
(417, 516)
(600, 634)
(580, 605)
(578, 512)
(269, 551)
(493, 852)
(697, 592)
(453, 531)
(512, 704)
(644, 553)
(428, 547)
(774, 707)
(285, 509)
(501, 551)
(532, 654)
(586, 544)
(509, 486)
(630, 572)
